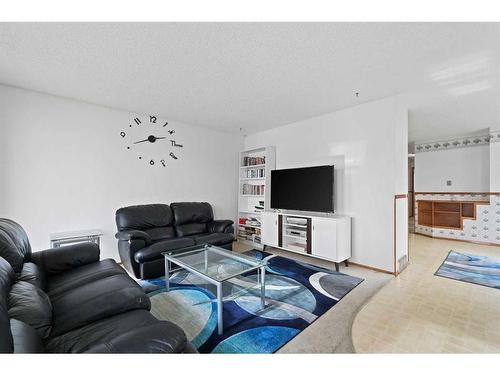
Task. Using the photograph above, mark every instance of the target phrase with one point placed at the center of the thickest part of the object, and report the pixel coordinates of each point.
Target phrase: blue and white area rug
(474, 269)
(296, 295)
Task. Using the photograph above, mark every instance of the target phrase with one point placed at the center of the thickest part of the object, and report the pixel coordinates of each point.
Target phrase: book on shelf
(254, 173)
(253, 160)
(249, 221)
(249, 233)
(249, 189)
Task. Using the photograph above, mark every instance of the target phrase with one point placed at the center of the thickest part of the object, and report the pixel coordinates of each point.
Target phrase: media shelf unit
(254, 192)
(446, 214)
(325, 237)
(294, 233)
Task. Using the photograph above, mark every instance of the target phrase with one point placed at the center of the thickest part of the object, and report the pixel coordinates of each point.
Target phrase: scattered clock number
(152, 139)
(175, 144)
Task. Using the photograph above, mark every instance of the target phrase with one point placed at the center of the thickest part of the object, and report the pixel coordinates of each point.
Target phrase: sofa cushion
(81, 339)
(96, 300)
(32, 306)
(190, 229)
(213, 238)
(144, 217)
(32, 274)
(64, 281)
(192, 212)
(161, 337)
(66, 258)
(9, 252)
(25, 337)
(160, 233)
(7, 277)
(154, 251)
(14, 243)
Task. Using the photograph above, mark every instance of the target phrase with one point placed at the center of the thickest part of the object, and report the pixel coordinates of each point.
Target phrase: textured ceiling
(262, 75)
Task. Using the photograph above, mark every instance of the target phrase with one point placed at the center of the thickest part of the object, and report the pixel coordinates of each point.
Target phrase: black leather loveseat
(146, 231)
(67, 301)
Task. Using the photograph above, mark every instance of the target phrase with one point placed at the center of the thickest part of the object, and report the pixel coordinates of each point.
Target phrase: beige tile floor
(418, 312)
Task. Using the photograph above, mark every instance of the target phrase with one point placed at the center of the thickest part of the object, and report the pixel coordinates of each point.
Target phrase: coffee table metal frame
(170, 257)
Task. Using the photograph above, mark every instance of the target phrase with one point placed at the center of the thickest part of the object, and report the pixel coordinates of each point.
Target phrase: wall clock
(152, 141)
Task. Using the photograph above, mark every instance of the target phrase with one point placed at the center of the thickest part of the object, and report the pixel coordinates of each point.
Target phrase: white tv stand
(325, 237)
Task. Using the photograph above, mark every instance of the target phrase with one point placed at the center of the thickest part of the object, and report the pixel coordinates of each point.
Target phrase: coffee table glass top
(214, 262)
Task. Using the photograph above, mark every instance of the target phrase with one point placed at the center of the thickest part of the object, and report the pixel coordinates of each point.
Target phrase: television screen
(303, 189)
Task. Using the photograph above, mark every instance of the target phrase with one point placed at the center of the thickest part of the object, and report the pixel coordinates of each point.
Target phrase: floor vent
(402, 263)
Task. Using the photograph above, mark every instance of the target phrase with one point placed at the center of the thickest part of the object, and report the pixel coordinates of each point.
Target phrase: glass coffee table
(208, 262)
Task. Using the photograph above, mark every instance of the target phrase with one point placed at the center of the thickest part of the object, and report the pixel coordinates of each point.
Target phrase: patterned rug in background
(296, 295)
(473, 269)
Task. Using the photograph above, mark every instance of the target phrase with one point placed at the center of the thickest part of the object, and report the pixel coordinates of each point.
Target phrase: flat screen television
(303, 189)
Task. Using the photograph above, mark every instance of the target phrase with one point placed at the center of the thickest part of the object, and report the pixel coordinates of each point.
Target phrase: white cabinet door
(269, 228)
(324, 238)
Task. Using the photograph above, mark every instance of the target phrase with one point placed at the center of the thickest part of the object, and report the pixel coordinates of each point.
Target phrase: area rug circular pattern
(297, 294)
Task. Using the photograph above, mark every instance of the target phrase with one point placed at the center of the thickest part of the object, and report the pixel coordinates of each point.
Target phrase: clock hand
(151, 139)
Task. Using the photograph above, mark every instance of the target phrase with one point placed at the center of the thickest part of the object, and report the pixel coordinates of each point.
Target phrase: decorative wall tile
(451, 144)
(495, 136)
(457, 142)
(486, 227)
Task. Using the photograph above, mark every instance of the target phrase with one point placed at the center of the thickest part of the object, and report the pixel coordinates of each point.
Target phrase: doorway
(411, 194)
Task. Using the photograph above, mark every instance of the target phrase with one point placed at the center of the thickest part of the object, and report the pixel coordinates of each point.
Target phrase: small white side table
(70, 238)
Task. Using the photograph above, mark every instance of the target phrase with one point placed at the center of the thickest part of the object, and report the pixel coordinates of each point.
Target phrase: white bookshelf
(254, 187)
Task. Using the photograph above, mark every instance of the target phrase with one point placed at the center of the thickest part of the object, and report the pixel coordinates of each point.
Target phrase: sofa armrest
(127, 235)
(161, 337)
(61, 259)
(220, 226)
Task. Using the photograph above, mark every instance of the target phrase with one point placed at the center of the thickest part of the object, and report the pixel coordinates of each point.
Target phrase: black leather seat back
(14, 244)
(191, 217)
(161, 233)
(7, 278)
(155, 219)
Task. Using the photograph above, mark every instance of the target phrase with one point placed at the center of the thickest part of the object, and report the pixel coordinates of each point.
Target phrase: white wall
(63, 166)
(363, 143)
(401, 181)
(468, 169)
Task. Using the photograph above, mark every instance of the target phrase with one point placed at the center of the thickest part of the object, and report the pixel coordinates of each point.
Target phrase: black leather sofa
(67, 301)
(146, 231)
